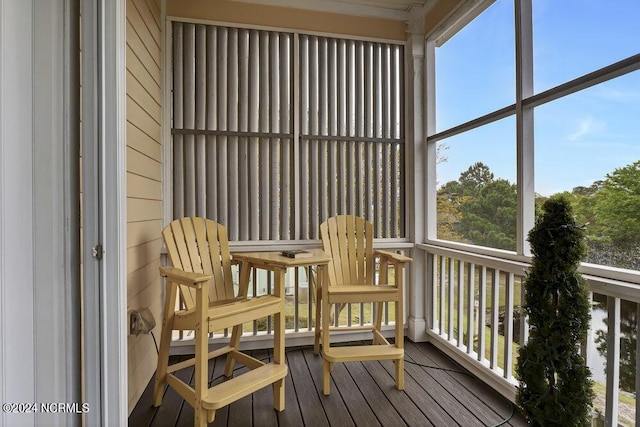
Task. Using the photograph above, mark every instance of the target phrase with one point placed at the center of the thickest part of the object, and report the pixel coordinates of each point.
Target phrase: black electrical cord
(503, 422)
(155, 342)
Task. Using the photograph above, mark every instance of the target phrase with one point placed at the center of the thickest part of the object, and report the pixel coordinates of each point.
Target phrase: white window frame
(526, 101)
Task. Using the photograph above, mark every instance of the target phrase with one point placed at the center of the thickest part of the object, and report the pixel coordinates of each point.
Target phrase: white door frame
(104, 210)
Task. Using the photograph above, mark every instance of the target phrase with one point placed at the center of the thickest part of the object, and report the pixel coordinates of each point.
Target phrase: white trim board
(341, 7)
(104, 215)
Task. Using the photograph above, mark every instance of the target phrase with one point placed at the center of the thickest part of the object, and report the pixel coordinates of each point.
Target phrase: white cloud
(586, 127)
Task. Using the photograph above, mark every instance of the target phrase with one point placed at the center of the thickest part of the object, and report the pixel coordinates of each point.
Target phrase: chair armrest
(182, 277)
(392, 257)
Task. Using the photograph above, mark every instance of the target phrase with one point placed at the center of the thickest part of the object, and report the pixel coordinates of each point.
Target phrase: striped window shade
(244, 156)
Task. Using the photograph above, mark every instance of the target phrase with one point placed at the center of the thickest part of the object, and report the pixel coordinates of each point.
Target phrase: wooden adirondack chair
(349, 241)
(199, 251)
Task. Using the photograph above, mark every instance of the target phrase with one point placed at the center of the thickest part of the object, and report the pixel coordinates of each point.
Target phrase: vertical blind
(235, 159)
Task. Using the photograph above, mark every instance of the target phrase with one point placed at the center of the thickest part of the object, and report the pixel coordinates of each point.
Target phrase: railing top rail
(502, 264)
(610, 281)
(279, 245)
(615, 288)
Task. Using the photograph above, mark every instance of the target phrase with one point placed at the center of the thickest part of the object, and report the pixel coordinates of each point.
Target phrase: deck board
(362, 394)
(357, 405)
(483, 414)
(378, 400)
(291, 417)
(308, 399)
(486, 396)
(334, 407)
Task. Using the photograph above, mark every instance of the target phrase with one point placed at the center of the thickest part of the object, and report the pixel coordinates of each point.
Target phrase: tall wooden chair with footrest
(349, 241)
(199, 252)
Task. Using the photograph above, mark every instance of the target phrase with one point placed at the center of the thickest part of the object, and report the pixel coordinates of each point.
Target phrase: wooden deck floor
(362, 394)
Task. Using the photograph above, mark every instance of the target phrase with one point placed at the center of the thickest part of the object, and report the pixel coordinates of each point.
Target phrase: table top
(276, 259)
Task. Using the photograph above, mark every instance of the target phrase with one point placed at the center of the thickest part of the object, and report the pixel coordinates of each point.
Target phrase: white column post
(104, 210)
(524, 124)
(415, 178)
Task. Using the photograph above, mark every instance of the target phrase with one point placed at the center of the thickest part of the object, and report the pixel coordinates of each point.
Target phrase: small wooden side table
(276, 262)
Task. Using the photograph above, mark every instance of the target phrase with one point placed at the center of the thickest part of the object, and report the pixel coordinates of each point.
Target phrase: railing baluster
(585, 347)
(310, 297)
(443, 265)
(296, 297)
(613, 360)
(524, 319)
(254, 289)
(450, 305)
(482, 312)
(460, 303)
(471, 303)
(495, 301)
(508, 326)
(269, 318)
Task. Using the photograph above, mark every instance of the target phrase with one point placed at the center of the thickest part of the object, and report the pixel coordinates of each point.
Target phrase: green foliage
(610, 208)
(555, 383)
(489, 219)
(478, 209)
(617, 204)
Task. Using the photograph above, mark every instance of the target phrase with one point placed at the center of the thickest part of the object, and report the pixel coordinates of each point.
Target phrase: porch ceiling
(392, 9)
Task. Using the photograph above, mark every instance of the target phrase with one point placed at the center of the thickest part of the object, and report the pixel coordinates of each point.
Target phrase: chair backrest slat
(200, 245)
(353, 253)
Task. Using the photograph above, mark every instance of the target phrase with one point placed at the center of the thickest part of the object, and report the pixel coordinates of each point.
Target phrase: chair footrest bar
(243, 385)
(362, 352)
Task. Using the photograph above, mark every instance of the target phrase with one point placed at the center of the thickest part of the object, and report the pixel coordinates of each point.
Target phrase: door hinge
(97, 252)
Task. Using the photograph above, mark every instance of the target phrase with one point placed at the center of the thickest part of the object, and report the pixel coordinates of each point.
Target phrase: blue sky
(580, 138)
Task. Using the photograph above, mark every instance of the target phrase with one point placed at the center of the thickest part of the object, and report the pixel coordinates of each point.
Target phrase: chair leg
(318, 328)
(378, 323)
(165, 342)
(399, 373)
(161, 371)
(278, 395)
(234, 343)
(399, 343)
(200, 416)
(327, 367)
(326, 377)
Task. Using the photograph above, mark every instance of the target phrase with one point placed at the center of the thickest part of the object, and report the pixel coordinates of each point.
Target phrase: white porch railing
(474, 305)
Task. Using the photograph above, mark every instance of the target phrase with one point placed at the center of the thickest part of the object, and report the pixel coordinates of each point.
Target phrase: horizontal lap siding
(144, 182)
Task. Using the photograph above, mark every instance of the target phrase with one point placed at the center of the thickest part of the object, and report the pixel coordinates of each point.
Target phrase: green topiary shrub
(555, 383)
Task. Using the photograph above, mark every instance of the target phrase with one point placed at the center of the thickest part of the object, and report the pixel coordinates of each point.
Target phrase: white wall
(39, 290)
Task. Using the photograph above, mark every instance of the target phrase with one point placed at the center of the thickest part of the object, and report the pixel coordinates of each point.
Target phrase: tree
(448, 218)
(478, 209)
(489, 219)
(555, 383)
(618, 203)
(476, 177)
